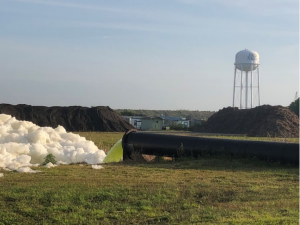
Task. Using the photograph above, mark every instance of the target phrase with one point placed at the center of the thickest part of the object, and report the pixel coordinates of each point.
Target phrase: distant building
(184, 123)
(152, 123)
(195, 122)
(169, 121)
(135, 121)
(156, 123)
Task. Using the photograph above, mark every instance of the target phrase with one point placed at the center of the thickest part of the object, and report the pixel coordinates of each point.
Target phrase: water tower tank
(246, 60)
(246, 79)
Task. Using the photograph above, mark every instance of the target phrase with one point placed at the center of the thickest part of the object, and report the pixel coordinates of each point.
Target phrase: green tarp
(115, 154)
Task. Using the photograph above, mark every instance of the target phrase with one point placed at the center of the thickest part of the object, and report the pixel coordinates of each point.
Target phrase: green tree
(294, 107)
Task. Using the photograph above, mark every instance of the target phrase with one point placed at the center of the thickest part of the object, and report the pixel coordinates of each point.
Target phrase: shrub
(49, 158)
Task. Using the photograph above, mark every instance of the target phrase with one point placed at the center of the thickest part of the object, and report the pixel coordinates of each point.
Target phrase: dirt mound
(262, 121)
(72, 118)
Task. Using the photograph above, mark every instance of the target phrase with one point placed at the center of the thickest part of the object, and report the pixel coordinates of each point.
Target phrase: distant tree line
(188, 114)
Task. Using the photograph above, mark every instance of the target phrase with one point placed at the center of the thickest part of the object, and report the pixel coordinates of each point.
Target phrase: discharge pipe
(177, 146)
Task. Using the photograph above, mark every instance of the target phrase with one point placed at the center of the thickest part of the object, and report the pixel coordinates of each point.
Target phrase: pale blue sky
(135, 54)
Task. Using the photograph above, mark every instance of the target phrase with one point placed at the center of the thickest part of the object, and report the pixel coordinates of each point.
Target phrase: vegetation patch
(49, 158)
(202, 191)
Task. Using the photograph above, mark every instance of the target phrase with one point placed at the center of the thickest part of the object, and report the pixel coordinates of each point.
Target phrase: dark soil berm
(261, 121)
(72, 118)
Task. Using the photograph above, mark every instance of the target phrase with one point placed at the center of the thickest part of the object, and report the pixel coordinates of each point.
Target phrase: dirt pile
(72, 118)
(262, 121)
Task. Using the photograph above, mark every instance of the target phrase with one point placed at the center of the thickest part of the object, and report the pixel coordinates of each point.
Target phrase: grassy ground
(203, 191)
(103, 140)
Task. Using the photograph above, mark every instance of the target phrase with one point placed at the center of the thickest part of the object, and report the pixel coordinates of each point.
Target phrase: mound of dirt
(72, 118)
(262, 121)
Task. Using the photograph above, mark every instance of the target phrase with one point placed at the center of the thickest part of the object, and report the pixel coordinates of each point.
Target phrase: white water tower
(246, 80)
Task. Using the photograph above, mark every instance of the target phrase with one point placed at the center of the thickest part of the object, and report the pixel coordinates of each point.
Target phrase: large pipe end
(127, 148)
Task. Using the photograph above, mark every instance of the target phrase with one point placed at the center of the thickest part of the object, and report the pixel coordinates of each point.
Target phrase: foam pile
(24, 144)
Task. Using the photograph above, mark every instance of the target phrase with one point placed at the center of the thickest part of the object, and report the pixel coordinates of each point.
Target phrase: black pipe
(176, 146)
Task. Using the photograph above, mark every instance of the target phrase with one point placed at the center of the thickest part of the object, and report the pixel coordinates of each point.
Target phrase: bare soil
(72, 118)
(261, 121)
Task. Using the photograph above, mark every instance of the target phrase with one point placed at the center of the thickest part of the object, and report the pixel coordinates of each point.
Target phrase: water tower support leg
(234, 85)
(241, 89)
(251, 89)
(258, 86)
(246, 94)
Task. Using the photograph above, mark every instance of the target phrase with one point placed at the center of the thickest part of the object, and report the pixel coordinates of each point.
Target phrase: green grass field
(202, 191)
(103, 140)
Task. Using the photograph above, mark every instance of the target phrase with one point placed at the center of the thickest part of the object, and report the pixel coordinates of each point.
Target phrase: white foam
(50, 165)
(24, 144)
(97, 167)
(27, 170)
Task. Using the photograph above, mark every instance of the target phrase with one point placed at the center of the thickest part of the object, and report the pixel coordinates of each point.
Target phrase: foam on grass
(24, 144)
(97, 167)
(27, 169)
(50, 165)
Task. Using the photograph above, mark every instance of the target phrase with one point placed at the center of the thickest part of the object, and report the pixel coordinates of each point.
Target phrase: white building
(135, 121)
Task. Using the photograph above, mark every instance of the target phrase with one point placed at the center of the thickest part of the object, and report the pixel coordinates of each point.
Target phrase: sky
(145, 54)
